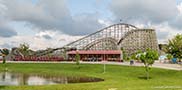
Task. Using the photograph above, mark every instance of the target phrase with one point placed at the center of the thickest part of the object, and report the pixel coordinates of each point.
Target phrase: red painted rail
(42, 58)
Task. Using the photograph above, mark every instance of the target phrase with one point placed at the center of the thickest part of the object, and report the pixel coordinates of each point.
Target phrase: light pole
(104, 63)
(105, 56)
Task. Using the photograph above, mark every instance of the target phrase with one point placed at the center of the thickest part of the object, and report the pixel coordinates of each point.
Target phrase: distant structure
(107, 43)
(116, 37)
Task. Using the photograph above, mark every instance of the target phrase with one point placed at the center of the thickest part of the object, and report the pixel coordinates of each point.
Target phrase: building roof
(95, 52)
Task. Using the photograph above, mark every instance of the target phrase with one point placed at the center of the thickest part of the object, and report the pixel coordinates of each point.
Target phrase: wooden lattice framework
(128, 37)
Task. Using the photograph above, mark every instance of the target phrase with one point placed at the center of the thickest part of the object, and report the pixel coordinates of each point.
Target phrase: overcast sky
(53, 23)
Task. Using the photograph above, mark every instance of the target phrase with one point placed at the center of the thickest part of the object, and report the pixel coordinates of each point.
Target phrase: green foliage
(174, 46)
(142, 57)
(24, 49)
(151, 56)
(148, 58)
(4, 53)
(138, 53)
(169, 56)
(134, 57)
(24, 46)
(77, 58)
(125, 57)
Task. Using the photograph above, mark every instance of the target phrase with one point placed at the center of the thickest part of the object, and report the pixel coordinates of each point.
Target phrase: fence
(42, 58)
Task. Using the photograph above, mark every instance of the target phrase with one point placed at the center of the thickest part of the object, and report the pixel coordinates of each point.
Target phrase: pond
(9, 78)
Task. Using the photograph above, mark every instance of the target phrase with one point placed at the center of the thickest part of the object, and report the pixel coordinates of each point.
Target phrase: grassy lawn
(118, 77)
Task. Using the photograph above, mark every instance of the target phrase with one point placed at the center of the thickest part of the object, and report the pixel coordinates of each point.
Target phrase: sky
(53, 23)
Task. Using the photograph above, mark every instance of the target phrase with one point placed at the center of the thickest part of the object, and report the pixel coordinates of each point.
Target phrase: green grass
(119, 77)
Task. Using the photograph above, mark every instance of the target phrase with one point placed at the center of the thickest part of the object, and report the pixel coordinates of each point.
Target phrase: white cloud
(176, 22)
(52, 20)
(105, 23)
(45, 34)
(2, 8)
(5, 30)
(56, 27)
(51, 15)
(180, 7)
(164, 16)
(155, 11)
(38, 41)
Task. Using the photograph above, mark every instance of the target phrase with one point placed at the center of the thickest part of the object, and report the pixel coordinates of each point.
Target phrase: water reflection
(7, 78)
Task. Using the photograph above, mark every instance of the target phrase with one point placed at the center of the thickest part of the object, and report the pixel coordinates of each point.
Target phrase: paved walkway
(156, 64)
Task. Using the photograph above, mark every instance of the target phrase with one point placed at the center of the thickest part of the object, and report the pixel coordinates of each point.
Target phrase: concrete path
(156, 64)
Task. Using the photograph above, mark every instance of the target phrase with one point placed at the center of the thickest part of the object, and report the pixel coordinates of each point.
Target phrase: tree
(77, 58)
(125, 57)
(169, 56)
(174, 47)
(133, 56)
(148, 58)
(138, 53)
(4, 53)
(24, 49)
